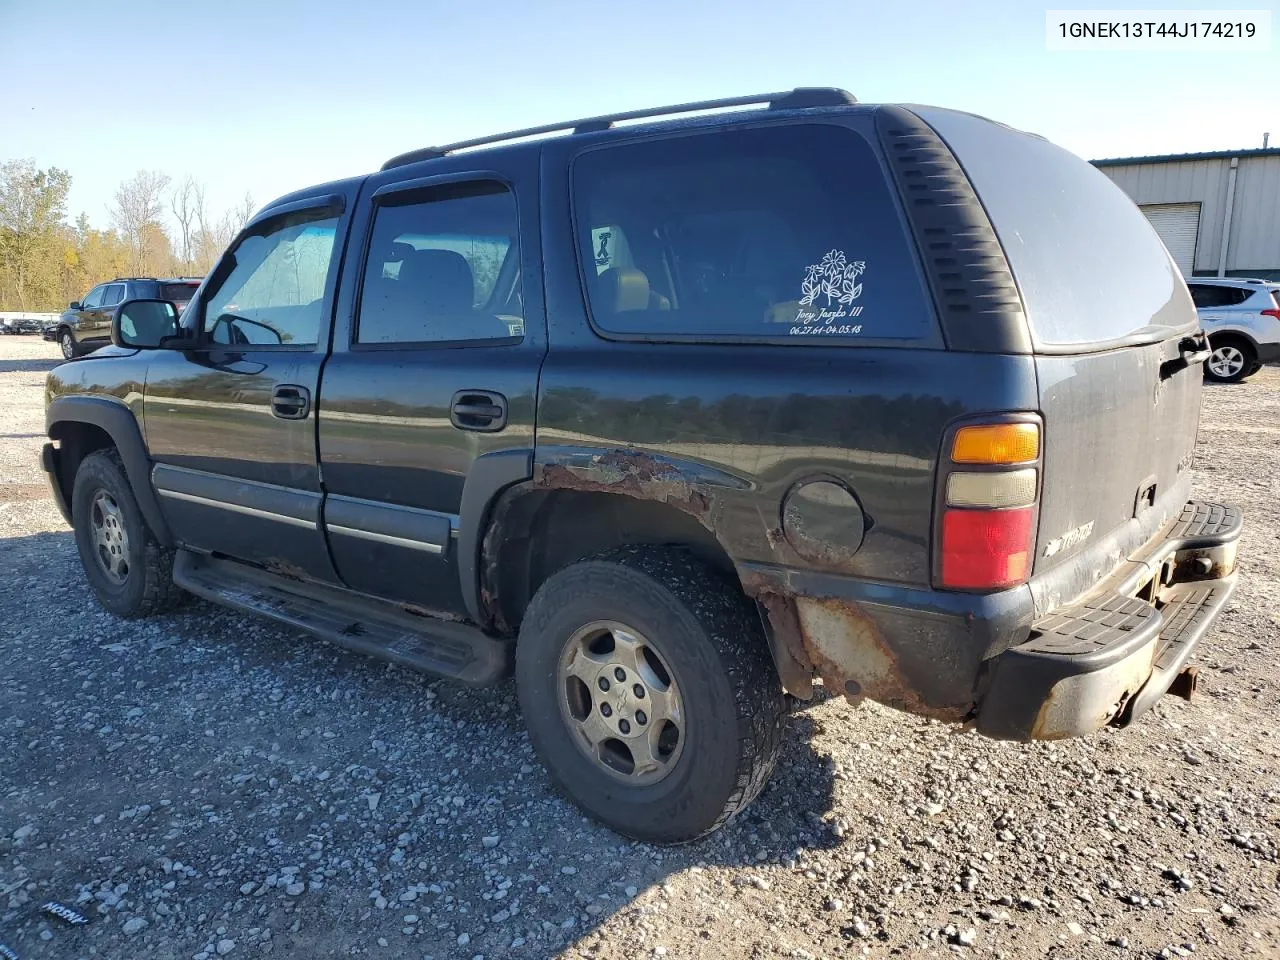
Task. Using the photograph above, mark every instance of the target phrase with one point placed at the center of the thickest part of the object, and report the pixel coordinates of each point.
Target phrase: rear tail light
(986, 549)
(986, 534)
(996, 443)
(1017, 488)
(1272, 313)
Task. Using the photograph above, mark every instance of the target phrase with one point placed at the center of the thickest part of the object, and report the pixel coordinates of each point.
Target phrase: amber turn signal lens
(996, 443)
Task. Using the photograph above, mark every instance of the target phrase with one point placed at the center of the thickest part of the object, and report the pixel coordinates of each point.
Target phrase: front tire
(649, 693)
(68, 344)
(1230, 361)
(128, 569)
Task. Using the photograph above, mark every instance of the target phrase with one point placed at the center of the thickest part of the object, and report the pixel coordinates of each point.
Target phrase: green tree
(33, 206)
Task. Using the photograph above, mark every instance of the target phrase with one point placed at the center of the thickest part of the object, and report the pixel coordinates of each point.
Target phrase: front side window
(94, 299)
(443, 268)
(274, 292)
(787, 231)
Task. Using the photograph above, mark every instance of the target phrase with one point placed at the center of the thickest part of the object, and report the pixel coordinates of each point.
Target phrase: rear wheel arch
(533, 532)
(82, 425)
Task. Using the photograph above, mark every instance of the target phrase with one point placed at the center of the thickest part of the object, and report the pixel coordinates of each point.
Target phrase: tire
(707, 639)
(130, 572)
(68, 344)
(1253, 368)
(1230, 361)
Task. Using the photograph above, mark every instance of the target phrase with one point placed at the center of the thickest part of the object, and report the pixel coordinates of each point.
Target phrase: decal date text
(820, 322)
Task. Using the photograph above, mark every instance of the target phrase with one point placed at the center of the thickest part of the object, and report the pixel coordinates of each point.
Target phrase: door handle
(482, 410)
(290, 402)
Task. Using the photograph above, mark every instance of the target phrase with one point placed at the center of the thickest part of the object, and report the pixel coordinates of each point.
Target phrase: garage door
(1177, 224)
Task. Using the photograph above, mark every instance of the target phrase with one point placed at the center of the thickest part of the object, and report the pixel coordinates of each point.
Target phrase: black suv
(86, 324)
(673, 418)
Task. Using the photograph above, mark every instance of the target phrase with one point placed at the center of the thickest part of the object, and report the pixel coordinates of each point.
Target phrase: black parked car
(86, 324)
(19, 325)
(673, 418)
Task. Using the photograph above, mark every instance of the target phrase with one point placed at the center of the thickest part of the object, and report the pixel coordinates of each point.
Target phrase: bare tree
(136, 214)
(243, 213)
(183, 204)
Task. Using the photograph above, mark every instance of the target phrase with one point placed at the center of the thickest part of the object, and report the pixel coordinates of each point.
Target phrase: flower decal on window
(835, 278)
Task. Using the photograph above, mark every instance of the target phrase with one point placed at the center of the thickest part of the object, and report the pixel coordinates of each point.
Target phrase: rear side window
(1211, 295)
(786, 231)
(178, 292)
(443, 268)
(1090, 267)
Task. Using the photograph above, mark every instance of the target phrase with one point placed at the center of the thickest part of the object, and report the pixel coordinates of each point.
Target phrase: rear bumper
(1268, 352)
(1109, 657)
(985, 658)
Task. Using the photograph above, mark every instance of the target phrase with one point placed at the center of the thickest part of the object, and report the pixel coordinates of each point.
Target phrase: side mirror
(144, 324)
(75, 305)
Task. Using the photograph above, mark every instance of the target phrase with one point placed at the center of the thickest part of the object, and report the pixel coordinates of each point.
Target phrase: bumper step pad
(1210, 522)
(1106, 628)
(1186, 614)
(1105, 661)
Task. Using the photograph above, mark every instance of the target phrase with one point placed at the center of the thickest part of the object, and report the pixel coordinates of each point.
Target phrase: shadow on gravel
(29, 366)
(245, 750)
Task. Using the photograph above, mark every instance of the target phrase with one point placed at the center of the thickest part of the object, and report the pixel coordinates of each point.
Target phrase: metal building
(1194, 200)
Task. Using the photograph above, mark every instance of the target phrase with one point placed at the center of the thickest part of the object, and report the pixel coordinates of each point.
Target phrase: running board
(380, 629)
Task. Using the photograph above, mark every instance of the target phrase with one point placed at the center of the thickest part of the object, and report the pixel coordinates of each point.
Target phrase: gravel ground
(206, 785)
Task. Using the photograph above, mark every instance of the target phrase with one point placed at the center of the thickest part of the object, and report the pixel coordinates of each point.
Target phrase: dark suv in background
(670, 418)
(86, 324)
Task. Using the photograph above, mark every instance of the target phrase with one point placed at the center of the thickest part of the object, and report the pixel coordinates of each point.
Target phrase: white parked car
(1242, 318)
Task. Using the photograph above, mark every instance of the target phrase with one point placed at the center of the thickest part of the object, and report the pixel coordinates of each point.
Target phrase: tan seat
(626, 289)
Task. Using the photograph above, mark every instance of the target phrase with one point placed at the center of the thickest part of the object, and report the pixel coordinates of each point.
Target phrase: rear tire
(130, 572)
(700, 649)
(1230, 361)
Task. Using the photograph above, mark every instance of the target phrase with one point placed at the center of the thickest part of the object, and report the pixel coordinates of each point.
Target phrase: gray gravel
(205, 785)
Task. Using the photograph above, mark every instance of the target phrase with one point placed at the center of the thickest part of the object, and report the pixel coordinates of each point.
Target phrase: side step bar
(457, 651)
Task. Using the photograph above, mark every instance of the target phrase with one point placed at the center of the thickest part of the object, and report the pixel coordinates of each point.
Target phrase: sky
(273, 95)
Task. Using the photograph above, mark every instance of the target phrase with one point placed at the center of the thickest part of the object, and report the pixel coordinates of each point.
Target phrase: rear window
(1090, 267)
(178, 292)
(780, 232)
(1212, 295)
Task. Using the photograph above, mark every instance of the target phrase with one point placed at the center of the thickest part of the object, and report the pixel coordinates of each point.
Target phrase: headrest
(440, 279)
(625, 289)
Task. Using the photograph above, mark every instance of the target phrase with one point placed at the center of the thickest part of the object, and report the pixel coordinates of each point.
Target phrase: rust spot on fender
(795, 670)
(837, 641)
(631, 474)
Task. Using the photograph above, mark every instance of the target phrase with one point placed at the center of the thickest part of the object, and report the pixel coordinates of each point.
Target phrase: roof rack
(796, 99)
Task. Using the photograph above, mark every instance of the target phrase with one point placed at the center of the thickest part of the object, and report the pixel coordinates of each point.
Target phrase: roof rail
(796, 99)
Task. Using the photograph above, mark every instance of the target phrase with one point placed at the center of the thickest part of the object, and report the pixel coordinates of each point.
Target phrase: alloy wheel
(1226, 361)
(110, 539)
(621, 703)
